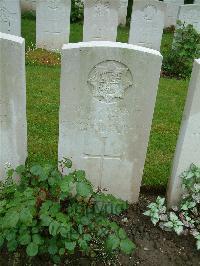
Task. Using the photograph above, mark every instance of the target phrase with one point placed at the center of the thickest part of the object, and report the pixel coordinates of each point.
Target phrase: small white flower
(7, 165)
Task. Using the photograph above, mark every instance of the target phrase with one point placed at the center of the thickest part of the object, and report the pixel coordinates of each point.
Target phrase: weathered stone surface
(53, 23)
(147, 23)
(10, 17)
(28, 5)
(123, 12)
(190, 14)
(100, 20)
(13, 129)
(108, 93)
(196, 1)
(188, 145)
(172, 11)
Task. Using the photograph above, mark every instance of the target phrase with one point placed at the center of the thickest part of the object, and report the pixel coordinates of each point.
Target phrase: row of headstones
(171, 10)
(107, 99)
(30, 5)
(100, 21)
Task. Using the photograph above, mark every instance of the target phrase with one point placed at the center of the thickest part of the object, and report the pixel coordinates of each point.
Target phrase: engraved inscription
(98, 34)
(5, 16)
(109, 80)
(192, 17)
(149, 12)
(101, 8)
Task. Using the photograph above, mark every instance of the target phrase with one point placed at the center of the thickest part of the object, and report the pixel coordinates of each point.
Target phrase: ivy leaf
(112, 242)
(80, 175)
(52, 249)
(87, 237)
(56, 259)
(37, 239)
(83, 189)
(127, 246)
(122, 233)
(64, 186)
(83, 244)
(70, 246)
(198, 244)
(12, 219)
(64, 230)
(85, 220)
(53, 228)
(20, 169)
(26, 216)
(38, 171)
(178, 229)
(61, 251)
(25, 239)
(46, 220)
(12, 245)
(32, 249)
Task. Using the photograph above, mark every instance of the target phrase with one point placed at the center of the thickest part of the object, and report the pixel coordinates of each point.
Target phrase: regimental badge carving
(102, 7)
(149, 12)
(109, 80)
(53, 4)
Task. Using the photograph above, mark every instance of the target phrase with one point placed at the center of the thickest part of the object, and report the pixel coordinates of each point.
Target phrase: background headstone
(13, 128)
(52, 23)
(10, 17)
(188, 145)
(28, 5)
(108, 93)
(147, 23)
(190, 14)
(100, 20)
(172, 11)
(123, 12)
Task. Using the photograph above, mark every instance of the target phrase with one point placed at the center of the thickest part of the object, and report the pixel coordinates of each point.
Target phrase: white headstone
(100, 20)
(123, 12)
(108, 93)
(190, 14)
(172, 12)
(147, 23)
(13, 129)
(53, 23)
(10, 17)
(188, 145)
(28, 5)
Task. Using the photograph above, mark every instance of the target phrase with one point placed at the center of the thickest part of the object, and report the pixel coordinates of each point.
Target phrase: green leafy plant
(59, 214)
(184, 219)
(77, 11)
(186, 47)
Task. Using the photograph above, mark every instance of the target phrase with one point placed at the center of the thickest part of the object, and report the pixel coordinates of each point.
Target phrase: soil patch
(154, 246)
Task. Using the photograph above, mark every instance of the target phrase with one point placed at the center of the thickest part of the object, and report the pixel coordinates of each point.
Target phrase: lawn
(43, 105)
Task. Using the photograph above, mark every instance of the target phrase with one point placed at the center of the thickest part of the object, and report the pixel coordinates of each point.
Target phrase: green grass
(43, 105)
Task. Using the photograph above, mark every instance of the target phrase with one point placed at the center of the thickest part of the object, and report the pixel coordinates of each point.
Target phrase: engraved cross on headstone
(102, 156)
